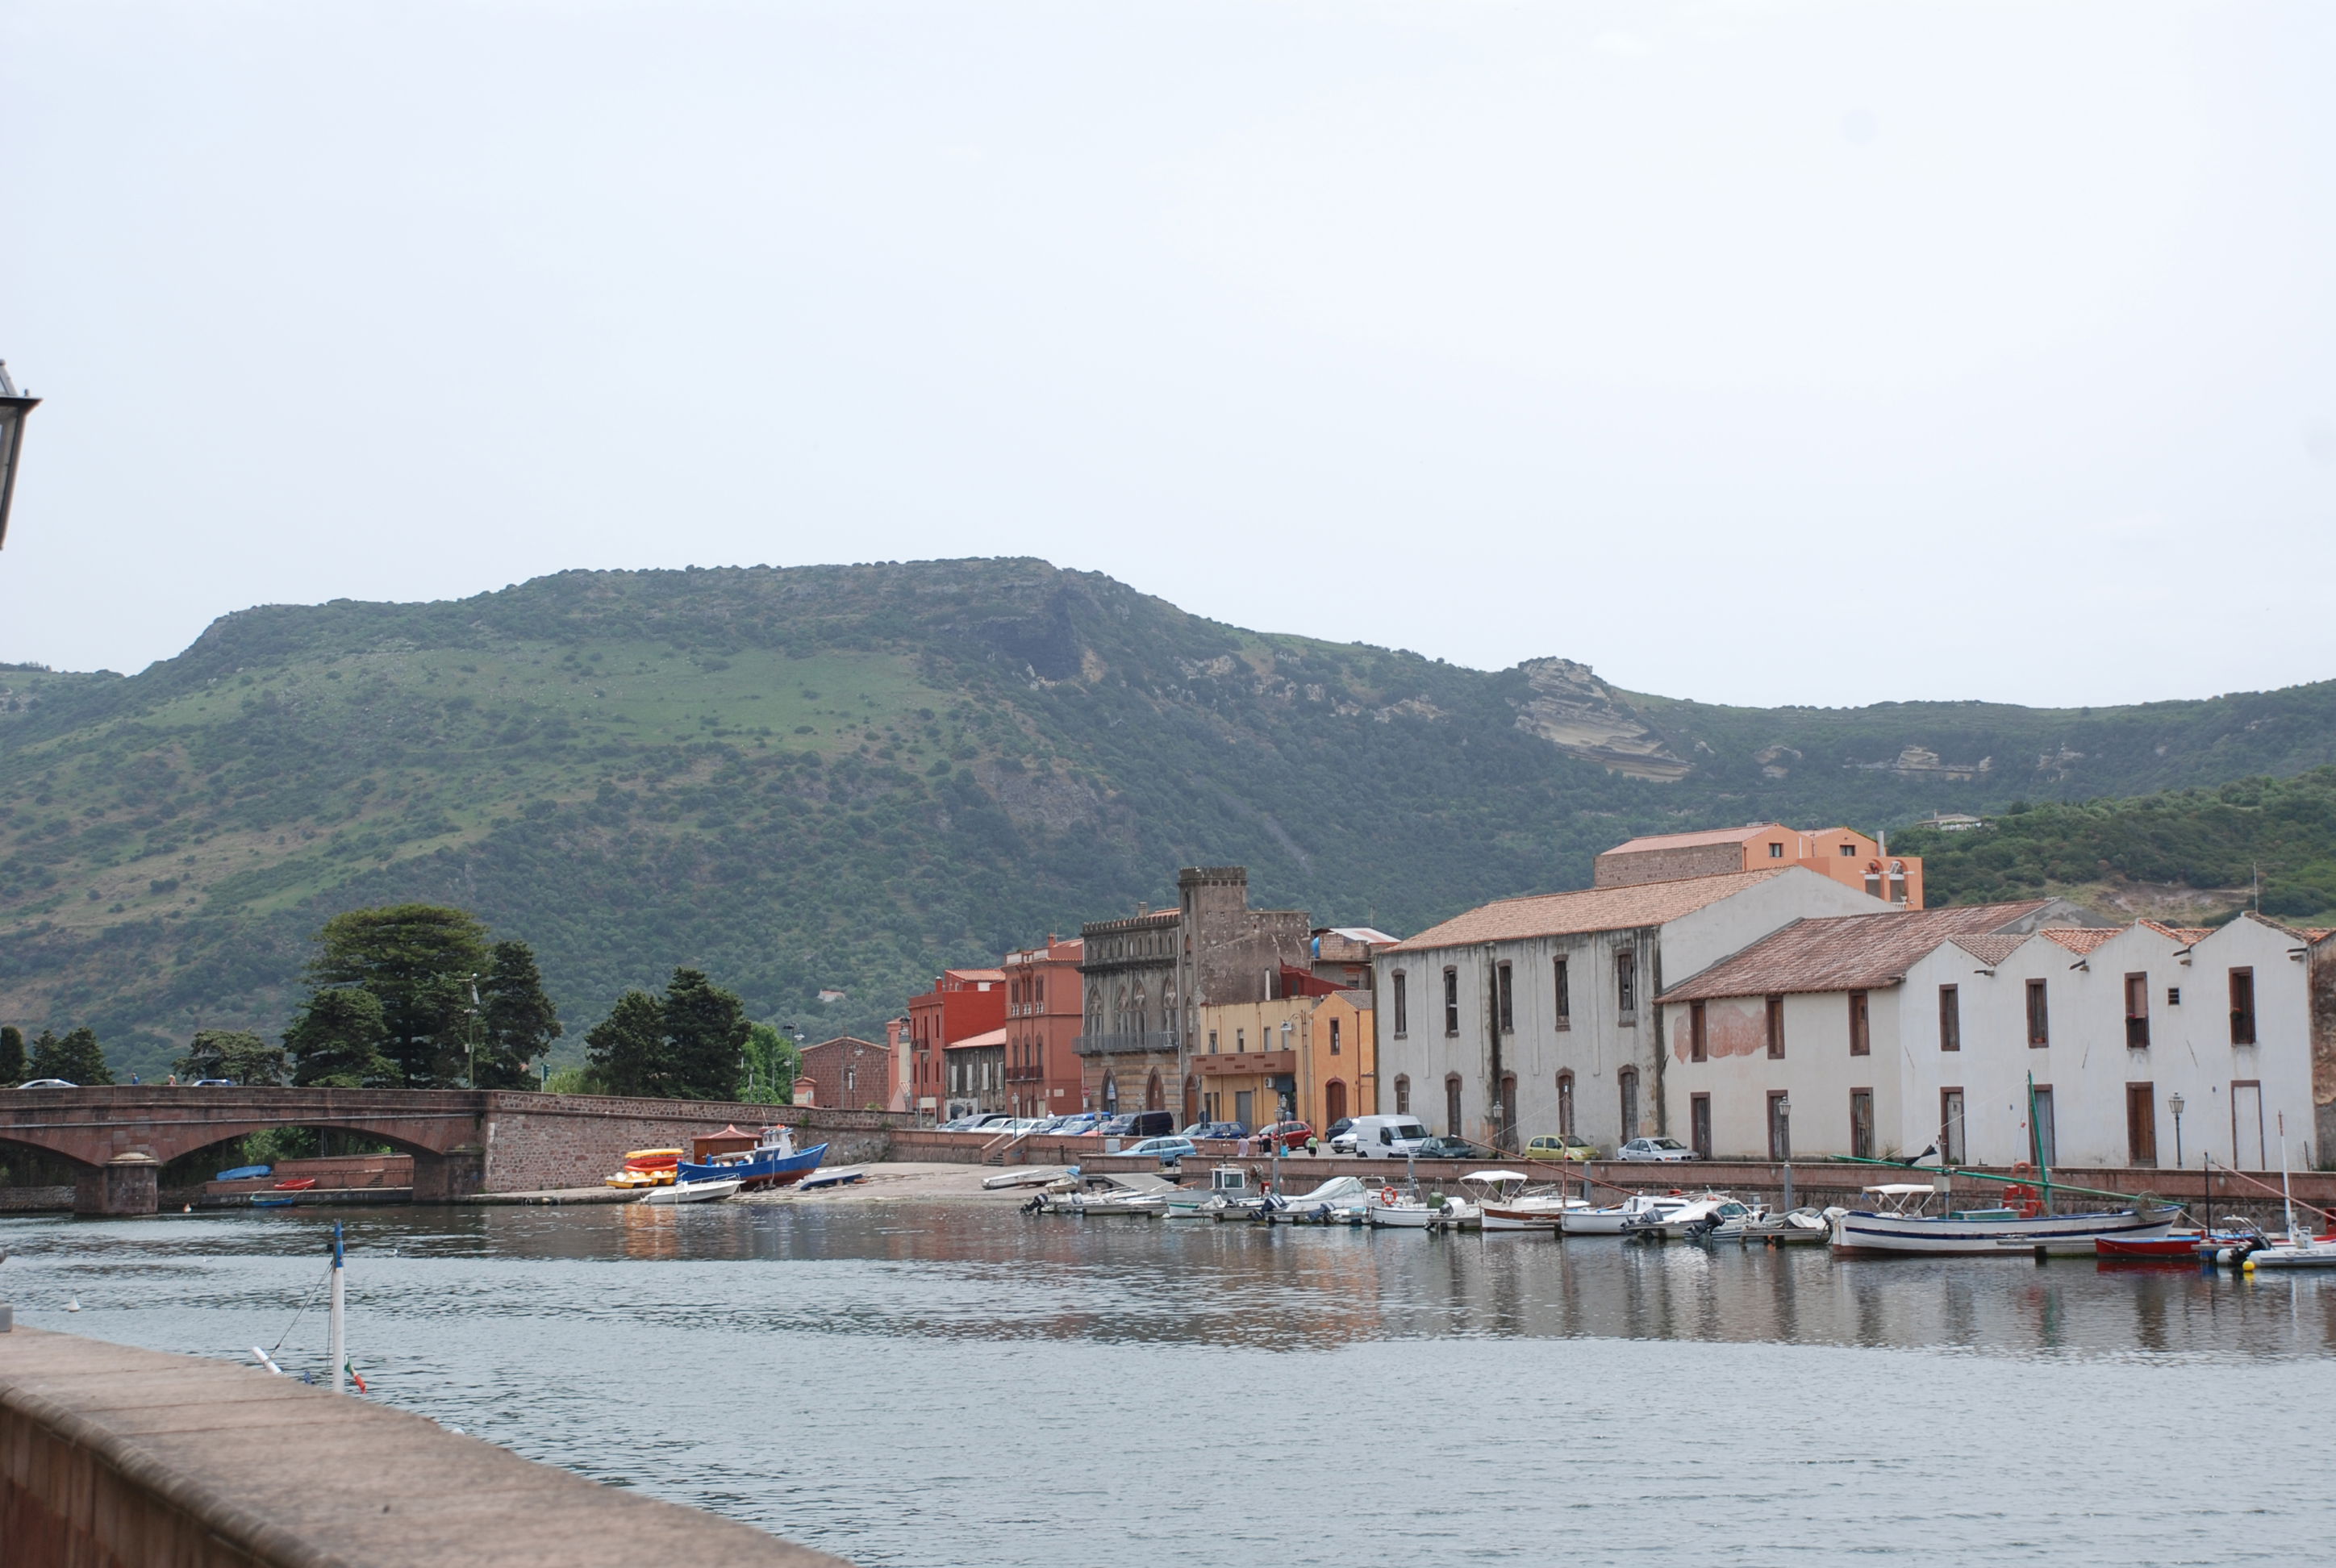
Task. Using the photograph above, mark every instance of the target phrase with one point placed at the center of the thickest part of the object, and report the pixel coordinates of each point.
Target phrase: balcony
(1128, 1045)
(1270, 1063)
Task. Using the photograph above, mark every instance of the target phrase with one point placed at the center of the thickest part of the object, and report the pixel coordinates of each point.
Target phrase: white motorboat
(1702, 1212)
(1609, 1222)
(1398, 1211)
(1329, 1203)
(1900, 1222)
(1802, 1227)
(693, 1192)
(2299, 1249)
(1026, 1176)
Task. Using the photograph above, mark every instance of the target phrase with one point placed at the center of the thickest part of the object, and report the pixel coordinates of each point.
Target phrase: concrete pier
(113, 1457)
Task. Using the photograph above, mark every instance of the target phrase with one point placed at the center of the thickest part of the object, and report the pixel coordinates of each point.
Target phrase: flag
(352, 1371)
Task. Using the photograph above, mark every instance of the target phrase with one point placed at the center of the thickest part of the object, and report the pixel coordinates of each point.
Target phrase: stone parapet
(117, 1457)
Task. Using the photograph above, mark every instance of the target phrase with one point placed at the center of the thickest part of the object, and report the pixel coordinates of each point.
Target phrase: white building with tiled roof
(1535, 1016)
(1885, 1036)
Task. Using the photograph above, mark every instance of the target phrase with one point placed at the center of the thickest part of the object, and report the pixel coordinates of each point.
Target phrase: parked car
(1169, 1149)
(214, 1083)
(1375, 1135)
(1288, 1134)
(962, 1123)
(49, 1084)
(1076, 1124)
(1559, 1146)
(1444, 1148)
(1337, 1127)
(1149, 1124)
(999, 1125)
(1658, 1149)
(1216, 1130)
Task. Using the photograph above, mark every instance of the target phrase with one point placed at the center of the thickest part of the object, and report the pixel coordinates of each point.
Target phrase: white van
(1395, 1135)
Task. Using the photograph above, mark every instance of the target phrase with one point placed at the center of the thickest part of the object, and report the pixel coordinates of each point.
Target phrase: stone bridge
(463, 1141)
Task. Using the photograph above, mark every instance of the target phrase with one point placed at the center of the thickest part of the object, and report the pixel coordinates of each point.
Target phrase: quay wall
(114, 1457)
(540, 1142)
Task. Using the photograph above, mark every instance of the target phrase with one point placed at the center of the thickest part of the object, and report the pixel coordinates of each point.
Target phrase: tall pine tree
(419, 961)
(517, 1022)
(337, 1042)
(706, 1030)
(77, 1058)
(245, 1059)
(626, 1049)
(12, 1056)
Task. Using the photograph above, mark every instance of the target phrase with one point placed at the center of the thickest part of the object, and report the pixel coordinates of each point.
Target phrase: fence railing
(1125, 1044)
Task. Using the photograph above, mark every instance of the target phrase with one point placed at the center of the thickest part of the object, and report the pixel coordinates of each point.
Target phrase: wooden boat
(1504, 1203)
(1610, 1221)
(297, 1184)
(272, 1202)
(1898, 1223)
(772, 1162)
(2174, 1246)
(705, 1191)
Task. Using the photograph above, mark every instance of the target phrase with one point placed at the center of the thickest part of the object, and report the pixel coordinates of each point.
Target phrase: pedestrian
(1313, 1146)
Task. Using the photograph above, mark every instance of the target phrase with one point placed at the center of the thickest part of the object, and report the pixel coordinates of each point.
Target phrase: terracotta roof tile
(2081, 938)
(1846, 952)
(1708, 836)
(1589, 909)
(1989, 950)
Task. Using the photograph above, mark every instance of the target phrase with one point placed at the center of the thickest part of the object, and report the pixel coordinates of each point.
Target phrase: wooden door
(2141, 1125)
(1334, 1104)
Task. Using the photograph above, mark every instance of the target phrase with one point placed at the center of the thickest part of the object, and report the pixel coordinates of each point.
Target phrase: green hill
(843, 777)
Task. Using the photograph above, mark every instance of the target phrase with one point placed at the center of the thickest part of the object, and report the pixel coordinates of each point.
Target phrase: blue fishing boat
(772, 1162)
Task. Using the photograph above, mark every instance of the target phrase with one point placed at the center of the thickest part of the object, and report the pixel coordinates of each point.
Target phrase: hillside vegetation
(845, 777)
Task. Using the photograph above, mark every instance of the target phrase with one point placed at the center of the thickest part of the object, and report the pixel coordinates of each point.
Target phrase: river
(965, 1385)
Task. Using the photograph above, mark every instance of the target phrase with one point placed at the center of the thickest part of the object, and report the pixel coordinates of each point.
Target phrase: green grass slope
(846, 776)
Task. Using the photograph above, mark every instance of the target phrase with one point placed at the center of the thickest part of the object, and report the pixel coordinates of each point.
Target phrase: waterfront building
(963, 1003)
(846, 1073)
(1843, 855)
(1303, 1053)
(1144, 978)
(1536, 1015)
(1882, 1035)
(1043, 1014)
(973, 1074)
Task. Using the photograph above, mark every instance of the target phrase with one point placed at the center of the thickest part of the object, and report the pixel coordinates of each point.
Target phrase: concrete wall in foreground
(113, 1458)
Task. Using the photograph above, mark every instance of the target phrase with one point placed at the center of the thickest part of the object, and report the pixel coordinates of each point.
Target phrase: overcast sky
(1763, 353)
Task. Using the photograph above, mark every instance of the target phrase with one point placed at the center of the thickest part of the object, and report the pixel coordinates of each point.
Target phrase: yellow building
(1310, 1056)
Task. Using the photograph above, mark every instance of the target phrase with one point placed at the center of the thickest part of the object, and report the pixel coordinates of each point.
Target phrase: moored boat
(647, 1168)
(1610, 1221)
(772, 1162)
(1899, 1223)
(711, 1190)
(1389, 1208)
(1501, 1199)
(1329, 1203)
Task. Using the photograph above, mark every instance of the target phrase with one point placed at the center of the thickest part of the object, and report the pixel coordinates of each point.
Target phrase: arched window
(1402, 1096)
(1110, 1095)
(1565, 1104)
(1154, 1099)
(1191, 1100)
(1452, 1103)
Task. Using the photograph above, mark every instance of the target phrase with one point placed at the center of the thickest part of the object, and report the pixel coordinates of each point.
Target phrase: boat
(243, 1174)
(1610, 1221)
(842, 1176)
(1801, 1227)
(1027, 1176)
(297, 1184)
(772, 1162)
(1132, 1193)
(1388, 1207)
(1727, 1220)
(1228, 1187)
(1699, 1216)
(1899, 1222)
(2299, 1249)
(1503, 1205)
(272, 1202)
(708, 1191)
(2174, 1246)
(647, 1168)
(1328, 1204)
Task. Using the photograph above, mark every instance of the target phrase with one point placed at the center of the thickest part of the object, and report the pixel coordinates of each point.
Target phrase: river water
(965, 1385)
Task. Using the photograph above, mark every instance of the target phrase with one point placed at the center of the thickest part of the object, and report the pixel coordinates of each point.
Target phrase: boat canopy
(1900, 1189)
(1496, 1176)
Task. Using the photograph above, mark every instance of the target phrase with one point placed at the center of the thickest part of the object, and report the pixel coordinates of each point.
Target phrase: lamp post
(1785, 1126)
(13, 407)
(2174, 1103)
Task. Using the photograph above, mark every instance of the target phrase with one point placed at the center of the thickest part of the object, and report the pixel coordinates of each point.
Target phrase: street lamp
(13, 407)
(2174, 1103)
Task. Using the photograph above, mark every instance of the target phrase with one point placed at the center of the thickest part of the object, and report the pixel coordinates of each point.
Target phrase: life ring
(1389, 1197)
(2023, 1200)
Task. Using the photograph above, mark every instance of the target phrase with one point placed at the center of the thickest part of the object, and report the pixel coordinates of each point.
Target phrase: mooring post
(340, 1335)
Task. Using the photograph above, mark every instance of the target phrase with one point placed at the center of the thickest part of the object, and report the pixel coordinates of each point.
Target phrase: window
(2039, 1017)
(2137, 1011)
(1861, 1123)
(1402, 1097)
(1452, 1103)
(1861, 1025)
(2173, 996)
(1950, 1126)
(1627, 1082)
(2242, 1006)
(1775, 1029)
(1402, 1006)
(1334, 1043)
(1848, 850)
(1565, 1104)
(1625, 981)
(1564, 997)
(1213, 1042)
(1776, 852)
(2141, 1125)
(1780, 1125)
(1240, 1042)
(1508, 1133)
(1697, 1050)
(1698, 1125)
(1452, 1001)
(1504, 1001)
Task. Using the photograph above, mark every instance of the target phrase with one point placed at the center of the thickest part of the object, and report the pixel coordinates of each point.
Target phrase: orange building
(1042, 1028)
(963, 1003)
(1846, 856)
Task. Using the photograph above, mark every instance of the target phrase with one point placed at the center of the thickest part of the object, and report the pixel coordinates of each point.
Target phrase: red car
(1288, 1134)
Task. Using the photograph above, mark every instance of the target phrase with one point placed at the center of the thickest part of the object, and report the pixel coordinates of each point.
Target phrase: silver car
(1662, 1149)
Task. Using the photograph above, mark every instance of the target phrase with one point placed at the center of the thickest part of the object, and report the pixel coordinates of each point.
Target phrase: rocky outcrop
(1580, 714)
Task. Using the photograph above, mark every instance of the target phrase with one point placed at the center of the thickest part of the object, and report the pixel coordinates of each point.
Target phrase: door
(1698, 1123)
(2047, 1149)
(2247, 1126)
(1244, 1104)
(1780, 1125)
(1452, 1107)
(2141, 1125)
(1508, 1137)
(1334, 1104)
(1861, 1123)
(1951, 1125)
(1628, 1080)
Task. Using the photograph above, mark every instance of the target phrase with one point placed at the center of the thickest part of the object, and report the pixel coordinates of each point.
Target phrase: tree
(337, 1042)
(232, 1054)
(772, 1061)
(77, 1058)
(517, 1021)
(626, 1049)
(706, 1030)
(418, 959)
(12, 1054)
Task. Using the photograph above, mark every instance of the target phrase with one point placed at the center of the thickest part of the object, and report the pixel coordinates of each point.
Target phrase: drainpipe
(1654, 949)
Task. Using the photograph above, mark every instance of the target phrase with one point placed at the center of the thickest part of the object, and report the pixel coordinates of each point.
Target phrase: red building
(963, 1003)
(846, 1073)
(1042, 1029)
